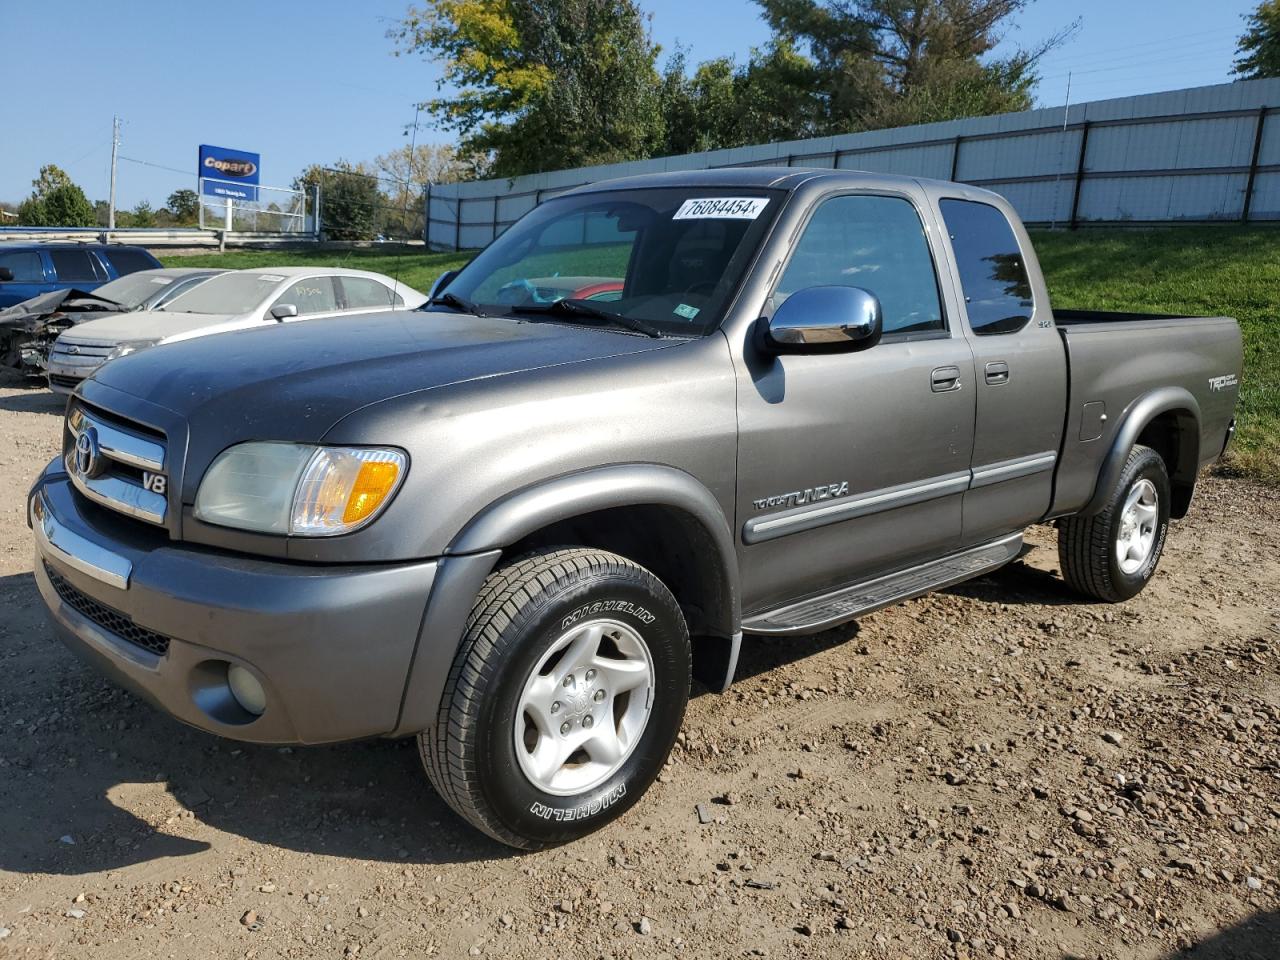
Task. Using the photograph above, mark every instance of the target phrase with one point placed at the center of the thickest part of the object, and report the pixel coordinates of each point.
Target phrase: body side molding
(1014, 469)
(797, 520)
(771, 526)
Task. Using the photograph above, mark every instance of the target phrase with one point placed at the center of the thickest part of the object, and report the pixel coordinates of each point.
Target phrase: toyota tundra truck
(516, 523)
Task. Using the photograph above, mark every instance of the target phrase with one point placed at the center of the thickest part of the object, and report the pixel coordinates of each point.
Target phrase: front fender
(472, 555)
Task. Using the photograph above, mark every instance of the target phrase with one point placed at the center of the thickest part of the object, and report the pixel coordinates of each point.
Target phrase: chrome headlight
(130, 346)
(299, 489)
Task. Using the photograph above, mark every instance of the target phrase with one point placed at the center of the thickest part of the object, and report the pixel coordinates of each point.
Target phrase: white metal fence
(1205, 154)
(270, 210)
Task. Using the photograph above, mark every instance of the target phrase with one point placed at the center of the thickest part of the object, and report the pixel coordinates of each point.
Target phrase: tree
(1258, 50)
(67, 206)
(430, 163)
(541, 84)
(184, 205)
(351, 207)
(51, 177)
(142, 215)
(887, 62)
(55, 202)
(404, 174)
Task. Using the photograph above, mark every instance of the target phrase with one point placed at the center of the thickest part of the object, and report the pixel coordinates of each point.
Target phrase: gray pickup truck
(515, 523)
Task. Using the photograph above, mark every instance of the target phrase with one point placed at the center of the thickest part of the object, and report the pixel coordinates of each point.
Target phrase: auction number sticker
(722, 208)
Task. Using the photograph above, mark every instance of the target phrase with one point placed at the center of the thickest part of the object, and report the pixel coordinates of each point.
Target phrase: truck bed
(1116, 359)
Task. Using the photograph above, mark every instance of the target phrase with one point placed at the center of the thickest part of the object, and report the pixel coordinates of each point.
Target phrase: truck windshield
(669, 258)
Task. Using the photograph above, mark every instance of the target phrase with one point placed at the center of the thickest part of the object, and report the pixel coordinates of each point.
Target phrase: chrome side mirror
(284, 311)
(825, 320)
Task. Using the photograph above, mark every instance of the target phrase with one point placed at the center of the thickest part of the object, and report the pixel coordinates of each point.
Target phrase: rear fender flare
(1139, 415)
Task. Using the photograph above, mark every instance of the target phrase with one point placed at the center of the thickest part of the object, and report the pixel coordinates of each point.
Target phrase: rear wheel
(1112, 555)
(564, 699)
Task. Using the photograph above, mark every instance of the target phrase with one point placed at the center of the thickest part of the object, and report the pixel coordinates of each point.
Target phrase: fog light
(247, 690)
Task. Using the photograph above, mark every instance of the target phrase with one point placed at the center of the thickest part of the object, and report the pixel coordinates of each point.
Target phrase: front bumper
(331, 645)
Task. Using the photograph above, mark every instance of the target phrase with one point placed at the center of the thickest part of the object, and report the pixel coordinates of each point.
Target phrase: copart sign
(224, 172)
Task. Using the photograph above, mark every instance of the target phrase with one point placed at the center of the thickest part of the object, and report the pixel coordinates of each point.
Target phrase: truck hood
(146, 325)
(294, 381)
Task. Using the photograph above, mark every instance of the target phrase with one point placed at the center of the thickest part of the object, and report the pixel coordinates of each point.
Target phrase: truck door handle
(945, 379)
(997, 372)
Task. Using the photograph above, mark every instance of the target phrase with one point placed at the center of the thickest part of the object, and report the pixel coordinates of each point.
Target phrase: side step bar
(851, 602)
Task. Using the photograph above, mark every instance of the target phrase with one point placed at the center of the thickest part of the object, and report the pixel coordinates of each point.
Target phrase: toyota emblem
(88, 453)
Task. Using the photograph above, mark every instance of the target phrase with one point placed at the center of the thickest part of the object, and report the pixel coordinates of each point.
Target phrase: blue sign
(232, 174)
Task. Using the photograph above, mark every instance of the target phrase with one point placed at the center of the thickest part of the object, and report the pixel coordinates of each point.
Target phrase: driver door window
(311, 296)
(879, 244)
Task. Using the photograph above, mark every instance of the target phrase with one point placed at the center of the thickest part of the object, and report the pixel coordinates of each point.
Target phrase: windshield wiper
(458, 303)
(571, 307)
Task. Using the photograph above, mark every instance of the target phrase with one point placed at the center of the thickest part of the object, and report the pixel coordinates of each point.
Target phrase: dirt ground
(999, 770)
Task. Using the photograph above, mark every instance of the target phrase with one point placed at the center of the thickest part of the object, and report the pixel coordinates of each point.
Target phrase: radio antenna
(408, 179)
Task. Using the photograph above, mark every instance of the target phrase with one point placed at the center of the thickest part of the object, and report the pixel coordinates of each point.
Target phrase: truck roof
(777, 178)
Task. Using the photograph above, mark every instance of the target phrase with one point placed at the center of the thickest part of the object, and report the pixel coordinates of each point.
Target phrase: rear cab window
(993, 275)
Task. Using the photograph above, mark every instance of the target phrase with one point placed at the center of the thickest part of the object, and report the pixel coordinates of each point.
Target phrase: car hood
(294, 381)
(145, 325)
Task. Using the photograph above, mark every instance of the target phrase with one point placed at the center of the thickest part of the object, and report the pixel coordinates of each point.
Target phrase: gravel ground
(998, 770)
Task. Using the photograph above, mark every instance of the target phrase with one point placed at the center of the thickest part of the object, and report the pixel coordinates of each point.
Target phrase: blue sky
(304, 81)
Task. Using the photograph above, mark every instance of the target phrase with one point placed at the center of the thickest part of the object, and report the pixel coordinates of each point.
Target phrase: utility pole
(115, 148)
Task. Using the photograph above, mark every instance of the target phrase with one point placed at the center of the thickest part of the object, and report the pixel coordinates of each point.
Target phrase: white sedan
(236, 300)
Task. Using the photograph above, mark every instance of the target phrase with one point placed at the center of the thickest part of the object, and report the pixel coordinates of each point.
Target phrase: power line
(1154, 65)
(1168, 43)
(158, 166)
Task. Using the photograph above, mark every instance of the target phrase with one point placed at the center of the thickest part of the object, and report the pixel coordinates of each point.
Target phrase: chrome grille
(82, 357)
(109, 463)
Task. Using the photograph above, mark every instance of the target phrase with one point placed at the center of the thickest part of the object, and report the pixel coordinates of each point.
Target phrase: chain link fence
(266, 210)
(361, 206)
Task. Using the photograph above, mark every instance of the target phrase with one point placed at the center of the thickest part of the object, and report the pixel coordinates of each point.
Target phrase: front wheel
(1111, 556)
(564, 699)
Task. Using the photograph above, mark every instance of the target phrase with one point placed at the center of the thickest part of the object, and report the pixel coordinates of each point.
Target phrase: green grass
(1206, 271)
(1209, 271)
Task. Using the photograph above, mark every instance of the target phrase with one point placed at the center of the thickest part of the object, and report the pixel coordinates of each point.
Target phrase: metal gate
(267, 210)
